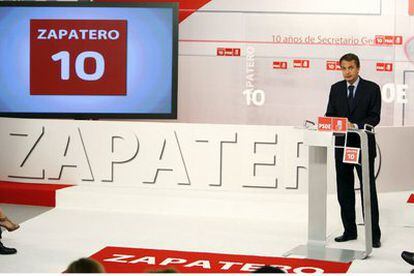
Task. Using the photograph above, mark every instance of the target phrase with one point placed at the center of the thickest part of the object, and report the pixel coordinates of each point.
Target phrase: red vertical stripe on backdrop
(187, 7)
(411, 7)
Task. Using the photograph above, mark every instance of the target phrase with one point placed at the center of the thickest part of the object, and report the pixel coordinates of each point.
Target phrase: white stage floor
(50, 241)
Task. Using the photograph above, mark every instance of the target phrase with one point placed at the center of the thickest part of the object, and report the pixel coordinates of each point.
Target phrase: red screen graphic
(78, 57)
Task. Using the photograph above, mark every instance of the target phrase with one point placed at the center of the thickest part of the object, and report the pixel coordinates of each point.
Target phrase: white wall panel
(282, 31)
(298, 6)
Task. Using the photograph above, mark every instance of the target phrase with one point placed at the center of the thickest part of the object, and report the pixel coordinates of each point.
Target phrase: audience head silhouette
(85, 265)
(269, 269)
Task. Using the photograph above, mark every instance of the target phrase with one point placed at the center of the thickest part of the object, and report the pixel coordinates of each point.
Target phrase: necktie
(351, 96)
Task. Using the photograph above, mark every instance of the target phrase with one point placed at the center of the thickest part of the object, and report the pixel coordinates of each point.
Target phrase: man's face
(350, 71)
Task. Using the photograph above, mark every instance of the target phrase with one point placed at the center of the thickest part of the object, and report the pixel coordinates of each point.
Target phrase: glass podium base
(320, 252)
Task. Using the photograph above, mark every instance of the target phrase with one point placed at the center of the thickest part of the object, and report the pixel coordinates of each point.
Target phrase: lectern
(318, 143)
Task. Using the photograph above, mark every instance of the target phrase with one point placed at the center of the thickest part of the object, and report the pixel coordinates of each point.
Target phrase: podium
(318, 144)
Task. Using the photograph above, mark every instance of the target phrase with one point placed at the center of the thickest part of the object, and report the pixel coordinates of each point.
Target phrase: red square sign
(351, 155)
(340, 125)
(236, 52)
(324, 123)
(333, 65)
(334, 124)
(78, 57)
(389, 40)
(398, 40)
(279, 65)
(229, 51)
(221, 51)
(301, 63)
(379, 39)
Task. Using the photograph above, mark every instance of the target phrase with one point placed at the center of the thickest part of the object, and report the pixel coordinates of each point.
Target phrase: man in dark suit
(358, 100)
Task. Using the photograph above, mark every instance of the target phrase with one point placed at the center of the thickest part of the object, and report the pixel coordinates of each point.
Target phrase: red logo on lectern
(339, 125)
(78, 57)
(351, 155)
(324, 123)
(333, 124)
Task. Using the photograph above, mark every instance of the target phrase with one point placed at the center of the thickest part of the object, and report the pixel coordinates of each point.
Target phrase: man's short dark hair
(350, 57)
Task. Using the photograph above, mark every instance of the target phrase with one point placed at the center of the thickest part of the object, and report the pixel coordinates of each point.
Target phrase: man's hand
(352, 126)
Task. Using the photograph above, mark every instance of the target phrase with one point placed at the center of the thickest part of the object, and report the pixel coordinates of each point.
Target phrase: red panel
(411, 7)
(29, 193)
(411, 199)
(333, 65)
(60, 51)
(187, 7)
(136, 260)
(325, 123)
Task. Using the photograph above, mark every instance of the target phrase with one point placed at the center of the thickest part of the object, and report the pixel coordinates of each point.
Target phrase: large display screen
(88, 60)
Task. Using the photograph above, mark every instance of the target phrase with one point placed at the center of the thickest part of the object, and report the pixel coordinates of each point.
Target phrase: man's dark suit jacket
(366, 109)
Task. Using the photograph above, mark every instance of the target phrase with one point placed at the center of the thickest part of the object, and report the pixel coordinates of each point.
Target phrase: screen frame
(66, 115)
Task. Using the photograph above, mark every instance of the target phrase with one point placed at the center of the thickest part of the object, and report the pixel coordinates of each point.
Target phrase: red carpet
(135, 260)
(411, 199)
(29, 193)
